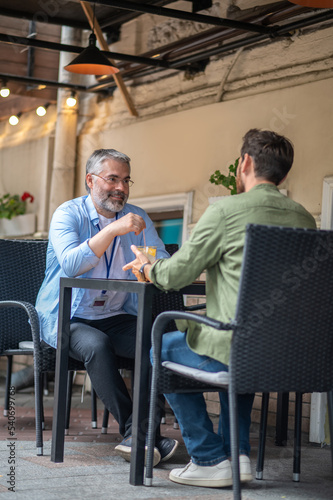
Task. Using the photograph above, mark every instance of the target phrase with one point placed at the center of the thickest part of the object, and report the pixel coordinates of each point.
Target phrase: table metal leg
(141, 386)
(60, 386)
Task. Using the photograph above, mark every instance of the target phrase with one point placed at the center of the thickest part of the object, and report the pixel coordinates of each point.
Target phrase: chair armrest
(32, 315)
(163, 319)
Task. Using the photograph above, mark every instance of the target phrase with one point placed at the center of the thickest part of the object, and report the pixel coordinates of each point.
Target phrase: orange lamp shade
(91, 61)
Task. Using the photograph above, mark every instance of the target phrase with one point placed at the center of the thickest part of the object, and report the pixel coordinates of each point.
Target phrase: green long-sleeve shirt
(216, 245)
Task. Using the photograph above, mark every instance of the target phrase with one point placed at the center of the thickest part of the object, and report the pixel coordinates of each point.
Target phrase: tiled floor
(92, 469)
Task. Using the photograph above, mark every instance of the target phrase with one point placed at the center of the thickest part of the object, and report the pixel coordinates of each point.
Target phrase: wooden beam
(101, 40)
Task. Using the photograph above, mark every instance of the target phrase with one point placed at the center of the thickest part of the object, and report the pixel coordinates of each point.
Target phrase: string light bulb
(4, 92)
(41, 110)
(14, 119)
(71, 100)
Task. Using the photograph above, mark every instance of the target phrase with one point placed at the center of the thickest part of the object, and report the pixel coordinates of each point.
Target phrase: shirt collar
(92, 212)
(264, 185)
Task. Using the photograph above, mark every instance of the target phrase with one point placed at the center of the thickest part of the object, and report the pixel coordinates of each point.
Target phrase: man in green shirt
(216, 245)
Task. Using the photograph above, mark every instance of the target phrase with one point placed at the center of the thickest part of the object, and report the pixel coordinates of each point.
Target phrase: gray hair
(96, 160)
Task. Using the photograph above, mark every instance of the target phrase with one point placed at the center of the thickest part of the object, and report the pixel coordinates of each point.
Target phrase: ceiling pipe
(50, 83)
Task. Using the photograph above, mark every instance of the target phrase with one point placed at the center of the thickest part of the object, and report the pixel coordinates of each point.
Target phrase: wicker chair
(282, 338)
(22, 272)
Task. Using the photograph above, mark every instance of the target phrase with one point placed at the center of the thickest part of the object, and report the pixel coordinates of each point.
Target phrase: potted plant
(228, 181)
(14, 221)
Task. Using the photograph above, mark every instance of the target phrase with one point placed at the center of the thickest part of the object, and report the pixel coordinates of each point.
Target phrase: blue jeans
(204, 445)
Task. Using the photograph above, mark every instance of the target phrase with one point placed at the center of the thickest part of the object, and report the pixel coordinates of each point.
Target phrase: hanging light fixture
(92, 61)
(324, 4)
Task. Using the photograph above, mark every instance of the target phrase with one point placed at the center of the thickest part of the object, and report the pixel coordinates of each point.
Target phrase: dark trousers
(97, 343)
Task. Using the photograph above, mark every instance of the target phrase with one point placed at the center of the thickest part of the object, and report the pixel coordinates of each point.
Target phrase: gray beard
(113, 206)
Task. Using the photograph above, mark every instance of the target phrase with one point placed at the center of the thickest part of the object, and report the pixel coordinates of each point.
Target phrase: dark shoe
(166, 447)
(124, 449)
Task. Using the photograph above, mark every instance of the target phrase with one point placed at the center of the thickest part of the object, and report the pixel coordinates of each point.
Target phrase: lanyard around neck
(109, 262)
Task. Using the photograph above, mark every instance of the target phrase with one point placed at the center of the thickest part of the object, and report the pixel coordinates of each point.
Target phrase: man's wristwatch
(141, 270)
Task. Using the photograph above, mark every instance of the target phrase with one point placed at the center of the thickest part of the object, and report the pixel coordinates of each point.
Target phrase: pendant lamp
(324, 4)
(91, 61)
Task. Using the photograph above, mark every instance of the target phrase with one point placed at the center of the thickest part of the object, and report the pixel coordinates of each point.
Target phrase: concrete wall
(178, 152)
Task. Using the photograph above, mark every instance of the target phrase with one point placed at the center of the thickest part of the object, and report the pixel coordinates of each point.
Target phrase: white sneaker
(245, 469)
(212, 476)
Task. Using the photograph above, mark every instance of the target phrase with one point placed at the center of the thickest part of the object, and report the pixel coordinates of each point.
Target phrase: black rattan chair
(282, 338)
(22, 272)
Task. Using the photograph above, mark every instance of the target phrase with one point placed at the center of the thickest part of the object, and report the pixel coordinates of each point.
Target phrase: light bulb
(71, 100)
(4, 92)
(13, 120)
(41, 111)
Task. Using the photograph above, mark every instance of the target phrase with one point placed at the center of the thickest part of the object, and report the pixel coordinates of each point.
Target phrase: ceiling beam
(188, 16)
(285, 30)
(101, 40)
(41, 16)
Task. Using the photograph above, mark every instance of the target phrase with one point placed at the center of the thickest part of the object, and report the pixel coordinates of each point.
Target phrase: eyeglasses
(113, 180)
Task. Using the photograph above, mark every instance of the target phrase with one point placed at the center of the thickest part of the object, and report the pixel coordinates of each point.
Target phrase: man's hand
(130, 222)
(136, 264)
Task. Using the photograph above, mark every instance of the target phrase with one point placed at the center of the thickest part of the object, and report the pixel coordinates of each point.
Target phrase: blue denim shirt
(68, 254)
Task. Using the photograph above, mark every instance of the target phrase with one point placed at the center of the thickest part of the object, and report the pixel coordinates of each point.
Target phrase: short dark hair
(272, 154)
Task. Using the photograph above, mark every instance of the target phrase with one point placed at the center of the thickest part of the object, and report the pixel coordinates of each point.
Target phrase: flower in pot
(228, 181)
(13, 205)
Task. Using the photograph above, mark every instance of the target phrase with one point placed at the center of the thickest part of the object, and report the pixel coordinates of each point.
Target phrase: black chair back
(22, 268)
(285, 300)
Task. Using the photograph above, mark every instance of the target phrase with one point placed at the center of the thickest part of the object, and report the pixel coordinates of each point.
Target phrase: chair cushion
(219, 379)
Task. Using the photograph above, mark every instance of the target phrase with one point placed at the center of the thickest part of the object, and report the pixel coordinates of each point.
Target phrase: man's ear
(89, 180)
(247, 164)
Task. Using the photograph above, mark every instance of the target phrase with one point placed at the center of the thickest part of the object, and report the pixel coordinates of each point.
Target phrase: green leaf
(228, 181)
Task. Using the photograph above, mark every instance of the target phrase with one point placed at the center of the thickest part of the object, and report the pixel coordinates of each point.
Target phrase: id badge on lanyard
(99, 301)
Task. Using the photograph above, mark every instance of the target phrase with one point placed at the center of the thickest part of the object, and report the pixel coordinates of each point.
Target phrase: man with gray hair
(90, 237)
